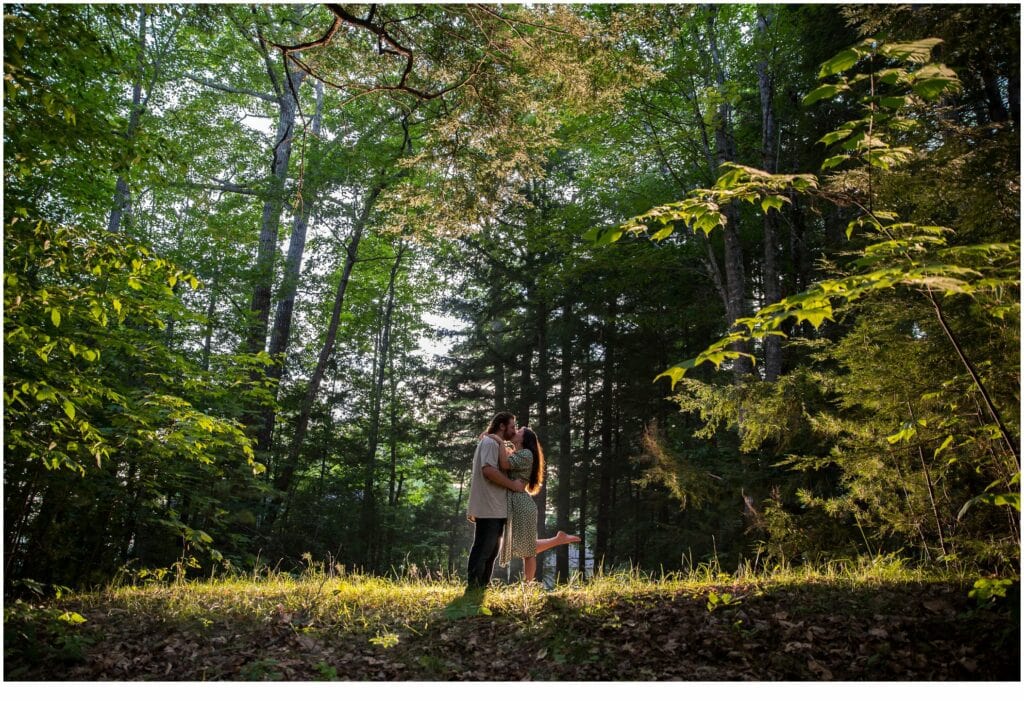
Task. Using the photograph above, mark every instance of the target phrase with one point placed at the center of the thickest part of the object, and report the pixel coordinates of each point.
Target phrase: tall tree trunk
(283, 480)
(541, 429)
(211, 309)
(564, 441)
(369, 510)
(287, 102)
(1013, 93)
(725, 150)
(280, 334)
(585, 462)
(525, 388)
(393, 491)
(499, 384)
(393, 432)
(770, 270)
(997, 111)
(122, 195)
(604, 495)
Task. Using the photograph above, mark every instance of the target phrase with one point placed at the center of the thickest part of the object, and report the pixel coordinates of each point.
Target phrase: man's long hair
(499, 419)
(531, 443)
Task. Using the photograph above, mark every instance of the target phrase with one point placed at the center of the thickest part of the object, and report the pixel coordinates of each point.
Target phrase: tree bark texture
(586, 460)
(604, 496)
(283, 480)
(369, 525)
(122, 194)
(563, 503)
(280, 334)
(270, 221)
(543, 387)
(770, 270)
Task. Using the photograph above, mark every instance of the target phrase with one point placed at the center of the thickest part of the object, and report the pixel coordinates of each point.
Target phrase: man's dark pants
(485, 551)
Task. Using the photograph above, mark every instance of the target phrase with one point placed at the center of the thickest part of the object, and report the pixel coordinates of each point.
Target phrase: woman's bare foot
(564, 538)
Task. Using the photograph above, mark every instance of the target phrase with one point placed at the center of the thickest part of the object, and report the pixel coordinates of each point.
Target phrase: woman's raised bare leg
(530, 563)
(560, 538)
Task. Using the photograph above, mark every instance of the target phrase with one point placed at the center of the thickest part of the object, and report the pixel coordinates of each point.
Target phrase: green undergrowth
(877, 619)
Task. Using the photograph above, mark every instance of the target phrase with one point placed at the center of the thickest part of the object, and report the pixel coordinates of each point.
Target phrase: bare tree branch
(322, 41)
(266, 59)
(343, 16)
(220, 186)
(227, 88)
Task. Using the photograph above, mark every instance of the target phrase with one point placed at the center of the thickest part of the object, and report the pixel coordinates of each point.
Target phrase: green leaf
(823, 92)
(55, 317)
(708, 222)
(895, 102)
(834, 136)
(908, 431)
(1012, 500)
(815, 310)
(833, 162)
(914, 51)
(69, 409)
(663, 233)
(72, 617)
(609, 237)
(675, 373)
(934, 79)
(892, 76)
(729, 178)
(945, 444)
(844, 60)
(773, 202)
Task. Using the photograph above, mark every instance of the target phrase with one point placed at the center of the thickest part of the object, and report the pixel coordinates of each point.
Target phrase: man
(488, 504)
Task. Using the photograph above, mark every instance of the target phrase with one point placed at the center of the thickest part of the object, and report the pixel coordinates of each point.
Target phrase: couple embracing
(508, 470)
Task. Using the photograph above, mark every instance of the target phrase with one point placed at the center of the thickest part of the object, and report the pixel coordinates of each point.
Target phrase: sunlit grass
(268, 624)
(320, 597)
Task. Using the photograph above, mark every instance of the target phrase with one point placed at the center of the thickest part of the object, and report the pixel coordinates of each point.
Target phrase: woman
(524, 459)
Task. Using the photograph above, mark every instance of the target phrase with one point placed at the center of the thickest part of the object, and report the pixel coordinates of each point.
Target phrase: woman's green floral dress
(520, 539)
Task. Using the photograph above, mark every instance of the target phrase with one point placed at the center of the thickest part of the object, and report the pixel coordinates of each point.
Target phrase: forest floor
(612, 628)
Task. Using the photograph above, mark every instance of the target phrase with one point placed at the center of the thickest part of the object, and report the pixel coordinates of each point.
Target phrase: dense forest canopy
(269, 270)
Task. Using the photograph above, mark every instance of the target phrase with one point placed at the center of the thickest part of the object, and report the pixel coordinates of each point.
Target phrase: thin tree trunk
(1013, 93)
(370, 527)
(1012, 443)
(725, 150)
(604, 496)
(393, 433)
(525, 388)
(586, 459)
(931, 488)
(280, 334)
(211, 309)
(122, 195)
(393, 493)
(256, 335)
(499, 385)
(997, 111)
(543, 387)
(564, 442)
(770, 270)
(283, 481)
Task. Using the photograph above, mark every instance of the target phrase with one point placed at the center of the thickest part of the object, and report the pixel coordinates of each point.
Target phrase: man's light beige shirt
(486, 499)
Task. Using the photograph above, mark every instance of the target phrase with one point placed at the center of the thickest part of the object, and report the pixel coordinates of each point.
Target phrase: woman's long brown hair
(531, 443)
